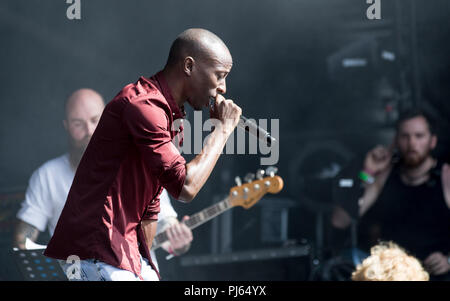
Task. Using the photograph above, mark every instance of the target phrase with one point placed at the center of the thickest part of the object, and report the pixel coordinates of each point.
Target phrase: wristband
(365, 177)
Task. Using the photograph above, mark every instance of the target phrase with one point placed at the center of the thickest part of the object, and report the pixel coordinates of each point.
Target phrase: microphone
(251, 127)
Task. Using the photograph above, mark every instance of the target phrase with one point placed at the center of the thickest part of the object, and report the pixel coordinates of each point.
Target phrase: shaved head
(198, 63)
(199, 44)
(83, 108)
(84, 98)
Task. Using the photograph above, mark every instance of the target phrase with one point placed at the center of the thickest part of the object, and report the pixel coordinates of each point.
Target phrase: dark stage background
(333, 78)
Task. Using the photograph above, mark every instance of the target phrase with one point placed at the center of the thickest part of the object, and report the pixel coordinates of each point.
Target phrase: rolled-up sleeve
(36, 208)
(149, 127)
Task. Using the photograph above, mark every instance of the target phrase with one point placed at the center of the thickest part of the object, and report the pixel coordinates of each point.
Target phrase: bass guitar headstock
(249, 193)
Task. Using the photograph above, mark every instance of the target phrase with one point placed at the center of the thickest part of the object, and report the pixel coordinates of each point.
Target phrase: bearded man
(406, 195)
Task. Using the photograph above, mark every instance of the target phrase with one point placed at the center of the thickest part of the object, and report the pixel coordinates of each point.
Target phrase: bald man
(109, 220)
(49, 184)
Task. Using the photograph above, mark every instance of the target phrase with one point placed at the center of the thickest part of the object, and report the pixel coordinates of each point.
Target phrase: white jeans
(94, 270)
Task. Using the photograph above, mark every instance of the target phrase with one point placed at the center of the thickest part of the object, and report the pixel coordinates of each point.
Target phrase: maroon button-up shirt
(118, 182)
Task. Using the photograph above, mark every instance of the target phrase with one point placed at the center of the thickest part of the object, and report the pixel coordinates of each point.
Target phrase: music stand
(34, 266)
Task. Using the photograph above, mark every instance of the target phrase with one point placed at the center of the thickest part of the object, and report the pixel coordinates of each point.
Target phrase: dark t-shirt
(415, 217)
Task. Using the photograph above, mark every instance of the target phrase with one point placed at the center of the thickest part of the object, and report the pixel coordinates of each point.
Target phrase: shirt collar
(177, 112)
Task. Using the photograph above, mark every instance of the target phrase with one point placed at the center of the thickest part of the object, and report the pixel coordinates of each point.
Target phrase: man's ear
(434, 140)
(188, 65)
(66, 125)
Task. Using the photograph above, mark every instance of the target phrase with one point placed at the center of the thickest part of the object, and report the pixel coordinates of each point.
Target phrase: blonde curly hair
(389, 262)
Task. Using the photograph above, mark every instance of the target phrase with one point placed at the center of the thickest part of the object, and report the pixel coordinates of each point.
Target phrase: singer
(109, 219)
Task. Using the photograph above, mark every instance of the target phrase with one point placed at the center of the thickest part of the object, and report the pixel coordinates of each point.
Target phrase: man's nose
(412, 143)
(222, 89)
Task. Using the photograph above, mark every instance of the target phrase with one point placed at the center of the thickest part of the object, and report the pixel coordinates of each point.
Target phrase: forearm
(149, 230)
(367, 200)
(371, 192)
(22, 232)
(341, 219)
(199, 169)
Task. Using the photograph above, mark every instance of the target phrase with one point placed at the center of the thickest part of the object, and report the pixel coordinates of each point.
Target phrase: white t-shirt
(47, 192)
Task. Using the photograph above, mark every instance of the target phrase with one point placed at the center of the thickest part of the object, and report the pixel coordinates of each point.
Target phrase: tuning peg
(260, 174)
(271, 171)
(249, 177)
(238, 181)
